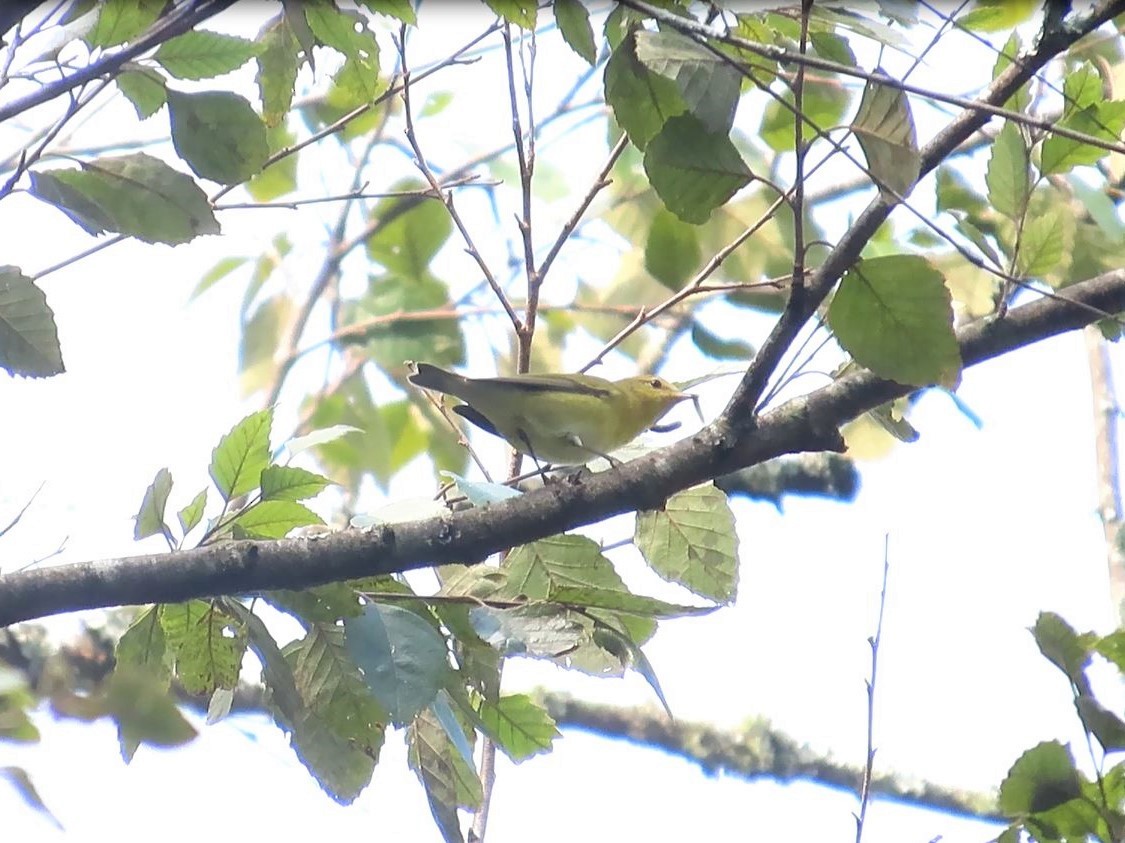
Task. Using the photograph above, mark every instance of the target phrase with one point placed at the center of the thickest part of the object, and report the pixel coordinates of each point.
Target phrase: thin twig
(447, 199)
(869, 766)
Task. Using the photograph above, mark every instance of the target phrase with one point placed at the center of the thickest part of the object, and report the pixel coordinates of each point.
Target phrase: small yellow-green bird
(559, 419)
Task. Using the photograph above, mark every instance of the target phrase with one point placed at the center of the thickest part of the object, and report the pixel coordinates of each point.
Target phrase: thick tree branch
(181, 20)
(808, 423)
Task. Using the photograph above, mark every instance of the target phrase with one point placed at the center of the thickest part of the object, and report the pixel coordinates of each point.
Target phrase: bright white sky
(986, 529)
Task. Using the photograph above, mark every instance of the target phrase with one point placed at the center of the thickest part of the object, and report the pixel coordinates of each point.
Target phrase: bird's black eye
(655, 383)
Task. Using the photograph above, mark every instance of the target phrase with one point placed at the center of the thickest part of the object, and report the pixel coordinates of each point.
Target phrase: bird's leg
(539, 467)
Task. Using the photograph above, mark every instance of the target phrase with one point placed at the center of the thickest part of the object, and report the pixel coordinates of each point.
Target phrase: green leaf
(191, 514)
(823, 103)
(142, 646)
(150, 517)
(219, 134)
(692, 542)
(280, 177)
(449, 782)
(135, 194)
(1008, 176)
(274, 519)
(1063, 647)
(708, 83)
(520, 726)
(413, 230)
(123, 20)
(399, 9)
(437, 340)
(345, 31)
(240, 457)
(29, 340)
(631, 654)
(300, 444)
(997, 15)
(277, 69)
(144, 88)
(573, 21)
(1045, 242)
(1041, 779)
(331, 685)
(205, 645)
(403, 658)
(623, 602)
(518, 12)
(694, 171)
(894, 315)
(200, 54)
(718, 347)
(286, 483)
(323, 604)
(143, 710)
(1112, 646)
(642, 101)
(536, 630)
(1107, 727)
(884, 126)
(1104, 121)
(672, 251)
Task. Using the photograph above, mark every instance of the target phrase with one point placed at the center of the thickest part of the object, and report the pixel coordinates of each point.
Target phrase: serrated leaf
(200, 54)
(449, 782)
(537, 630)
(280, 482)
(403, 658)
(642, 101)
(672, 250)
(708, 82)
(144, 88)
(894, 315)
(218, 134)
(573, 21)
(205, 645)
(274, 519)
(1008, 176)
(518, 12)
(1041, 779)
(1045, 242)
(520, 726)
(692, 541)
(191, 514)
(398, 9)
(144, 711)
(277, 69)
(280, 177)
(123, 20)
(29, 340)
(884, 126)
(150, 518)
(142, 645)
(1104, 121)
(238, 460)
(694, 171)
(135, 194)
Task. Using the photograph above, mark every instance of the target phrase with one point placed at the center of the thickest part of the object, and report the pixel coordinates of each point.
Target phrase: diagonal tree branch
(808, 423)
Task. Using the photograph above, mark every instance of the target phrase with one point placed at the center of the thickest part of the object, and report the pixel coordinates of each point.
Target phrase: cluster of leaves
(1045, 794)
